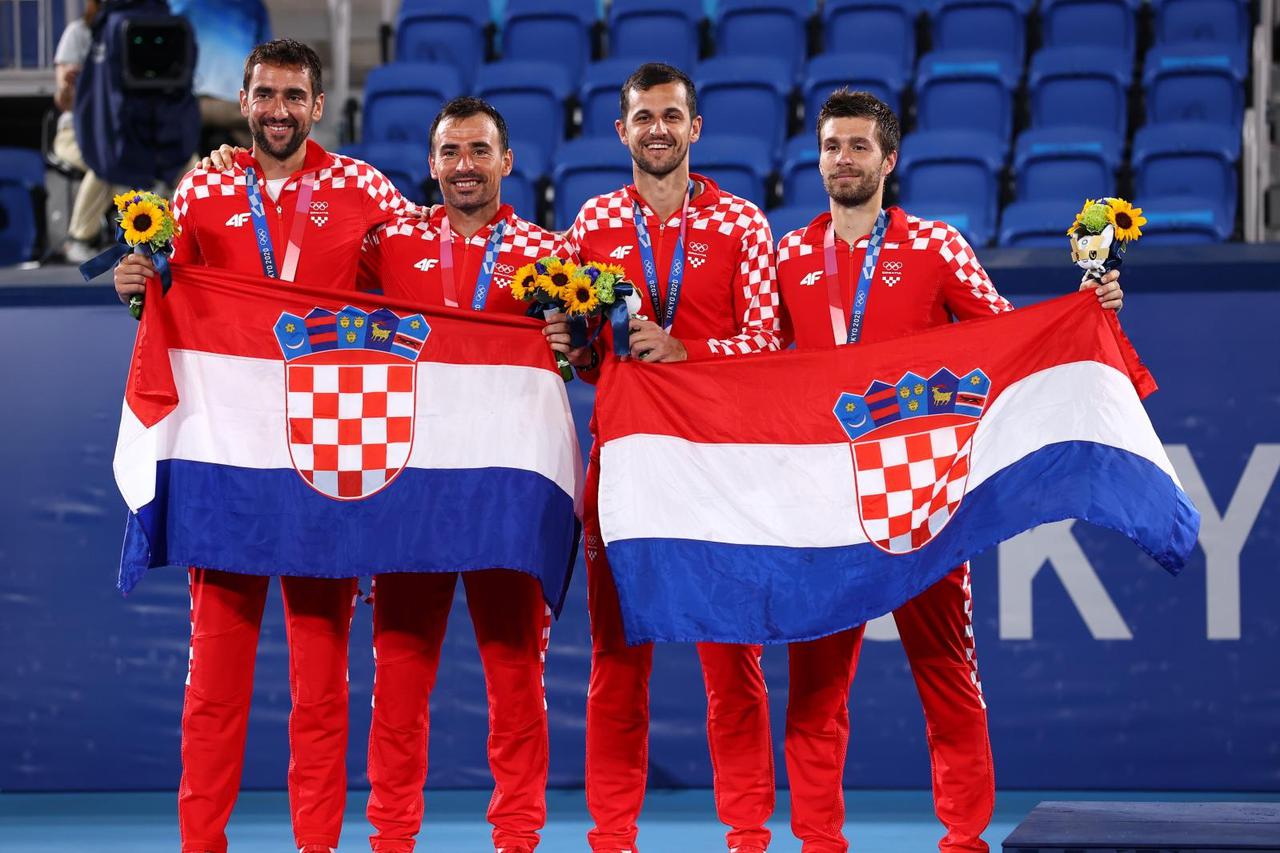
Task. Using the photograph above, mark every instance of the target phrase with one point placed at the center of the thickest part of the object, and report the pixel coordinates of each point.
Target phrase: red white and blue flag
(279, 430)
(785, 496)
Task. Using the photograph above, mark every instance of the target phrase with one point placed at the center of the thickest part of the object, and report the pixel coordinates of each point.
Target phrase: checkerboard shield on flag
(351, 387)
(910, 443)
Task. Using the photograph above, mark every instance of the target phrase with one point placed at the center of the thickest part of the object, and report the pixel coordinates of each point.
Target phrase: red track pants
(618, 717)
(937, 634)
(226, 614)
(512, 625)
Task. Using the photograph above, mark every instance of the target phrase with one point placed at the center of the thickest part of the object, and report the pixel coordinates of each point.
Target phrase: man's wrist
(592, 363)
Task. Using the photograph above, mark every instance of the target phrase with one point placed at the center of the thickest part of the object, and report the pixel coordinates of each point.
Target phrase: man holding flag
(861, 273)
(463, 256)
(705, 259)
(289, 210)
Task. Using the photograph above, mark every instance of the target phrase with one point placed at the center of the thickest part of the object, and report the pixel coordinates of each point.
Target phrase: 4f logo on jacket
(236, 220)
(811, 278)
(621, 252)
(426, 264)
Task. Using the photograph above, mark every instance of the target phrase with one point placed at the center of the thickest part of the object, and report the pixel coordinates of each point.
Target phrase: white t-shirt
(274, 186)
(73, 49)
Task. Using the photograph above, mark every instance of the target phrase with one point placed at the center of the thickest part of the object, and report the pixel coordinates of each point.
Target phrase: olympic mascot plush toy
(1102, 232)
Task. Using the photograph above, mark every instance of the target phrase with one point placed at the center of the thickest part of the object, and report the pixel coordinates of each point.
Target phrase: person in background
(94, 196)
(225, 31)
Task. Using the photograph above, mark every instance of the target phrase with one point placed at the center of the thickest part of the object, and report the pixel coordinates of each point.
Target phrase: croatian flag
(277, 430)
(786, 496)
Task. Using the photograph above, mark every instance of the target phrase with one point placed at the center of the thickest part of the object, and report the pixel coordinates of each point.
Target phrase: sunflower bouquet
(557, 286)
(145, 226)
(1102, 231)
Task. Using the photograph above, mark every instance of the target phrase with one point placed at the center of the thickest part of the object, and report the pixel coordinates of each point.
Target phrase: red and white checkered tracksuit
(410, 611)
(212, 210)
(727, 305)
(927, 276)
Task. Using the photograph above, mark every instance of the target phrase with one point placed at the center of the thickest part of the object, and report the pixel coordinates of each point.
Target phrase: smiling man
(289, 210)
(702, 259)
(463, 256)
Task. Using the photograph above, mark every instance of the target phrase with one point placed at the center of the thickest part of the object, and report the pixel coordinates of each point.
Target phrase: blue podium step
(1088, 827)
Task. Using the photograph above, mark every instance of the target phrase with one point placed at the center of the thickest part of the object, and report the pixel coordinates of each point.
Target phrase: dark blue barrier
(1100, 670)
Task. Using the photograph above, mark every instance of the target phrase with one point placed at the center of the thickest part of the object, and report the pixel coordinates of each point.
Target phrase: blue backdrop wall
(1100, 670)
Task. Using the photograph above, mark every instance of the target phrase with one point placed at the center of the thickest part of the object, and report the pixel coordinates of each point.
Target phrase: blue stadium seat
(966, 90)
(872, 26)
(1069, 86)
(789, 218)
(401, 99)
(404, 163)
(655, 30)
(773, 28)
(996, 26)
(1187, 159)
(598, 95)
(737, 95)
(522, 189)
(952, 176)
(540, 29)
(1220, 22)
(1094, 26)
(21, 172)
(448, 31)
(530, 95)
(739, 164)
(1183, 220)
(801, 182)
(585, 168)
(1195, 82)
(1066, 163)
(1039, 224)
(877, 73)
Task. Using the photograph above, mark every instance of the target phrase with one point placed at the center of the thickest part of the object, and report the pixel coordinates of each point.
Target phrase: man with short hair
(702, 260)
(288, 209)
(893, 274)
(463, 256)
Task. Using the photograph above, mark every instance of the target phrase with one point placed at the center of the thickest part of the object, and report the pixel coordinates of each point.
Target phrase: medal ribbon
(262, 233)
(667, 316)
(835, 297)
(487, 266)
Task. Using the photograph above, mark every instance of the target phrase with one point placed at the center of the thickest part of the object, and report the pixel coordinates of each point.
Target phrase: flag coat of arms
(782, 497)
(271, 430)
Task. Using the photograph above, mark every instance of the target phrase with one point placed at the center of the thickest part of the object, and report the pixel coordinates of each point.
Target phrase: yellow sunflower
(1079, 216)
(545, 284)
(580, 296)
(122, 201)
(559, 271)
(142, 220)
(524, 281)
(1127, 219)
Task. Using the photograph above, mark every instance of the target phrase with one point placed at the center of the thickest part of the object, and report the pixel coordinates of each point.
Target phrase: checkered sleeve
(968, 290)
(186, 250)
(382, 201)
(571, 244)
(755, 295)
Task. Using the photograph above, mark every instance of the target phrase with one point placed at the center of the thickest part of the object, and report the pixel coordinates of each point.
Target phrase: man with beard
(702, 260)
(857, 273)
(463, 256)
(317, 209)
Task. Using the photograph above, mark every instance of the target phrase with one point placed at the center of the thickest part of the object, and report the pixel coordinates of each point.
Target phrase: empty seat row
(456, 31)
(954, 90)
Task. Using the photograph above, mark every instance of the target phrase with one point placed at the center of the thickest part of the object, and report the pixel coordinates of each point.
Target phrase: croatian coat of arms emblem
(351, 395)
(910, 443)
